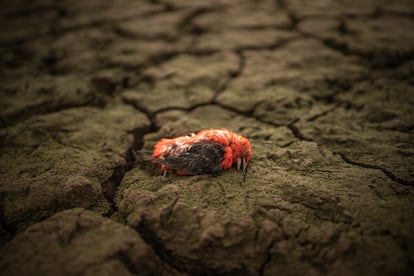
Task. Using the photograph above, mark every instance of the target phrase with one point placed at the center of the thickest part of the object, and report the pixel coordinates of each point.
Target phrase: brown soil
(324, 91)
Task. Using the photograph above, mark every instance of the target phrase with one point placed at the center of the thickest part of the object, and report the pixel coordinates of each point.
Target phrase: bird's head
(242, 151)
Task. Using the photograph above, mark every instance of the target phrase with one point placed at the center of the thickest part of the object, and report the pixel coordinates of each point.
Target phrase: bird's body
(206, 152)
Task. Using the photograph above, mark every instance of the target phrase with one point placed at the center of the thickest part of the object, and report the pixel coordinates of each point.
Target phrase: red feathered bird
(207, 152)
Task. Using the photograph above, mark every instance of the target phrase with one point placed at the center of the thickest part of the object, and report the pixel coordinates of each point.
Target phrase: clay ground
(324, 90)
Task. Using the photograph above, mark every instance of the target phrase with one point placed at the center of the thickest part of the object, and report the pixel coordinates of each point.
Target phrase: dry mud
(324, 90)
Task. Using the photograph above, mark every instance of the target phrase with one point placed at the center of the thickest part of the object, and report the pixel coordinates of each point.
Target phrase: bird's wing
(199, 158)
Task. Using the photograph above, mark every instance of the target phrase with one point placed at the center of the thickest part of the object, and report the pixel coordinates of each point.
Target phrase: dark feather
(201, 158)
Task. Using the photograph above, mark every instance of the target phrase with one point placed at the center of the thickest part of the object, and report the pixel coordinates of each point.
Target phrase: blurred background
(322, 89)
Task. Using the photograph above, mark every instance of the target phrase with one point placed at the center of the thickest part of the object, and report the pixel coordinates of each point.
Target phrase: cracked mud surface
(324, 91)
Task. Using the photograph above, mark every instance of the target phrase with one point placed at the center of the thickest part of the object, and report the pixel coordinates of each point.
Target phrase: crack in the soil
(110, 186)
(152, 60)
(232, 75)
(300, 136)
(324, 113)
(371, 60)
(296, 131)
(55, 29)
(248, 114)
(186, 24)
(294, 19)
(222, 85)
(151, 114)
(43, 109)
(165, 255)
(268, 47)
(389, 174)
(268, 257)
(129, 264)
(94, 99)
(242, 64)
(182, 263)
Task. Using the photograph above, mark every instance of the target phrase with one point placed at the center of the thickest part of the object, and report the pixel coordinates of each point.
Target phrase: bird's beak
(242, 163)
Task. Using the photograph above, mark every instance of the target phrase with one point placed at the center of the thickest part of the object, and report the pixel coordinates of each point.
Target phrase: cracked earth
(324, 91)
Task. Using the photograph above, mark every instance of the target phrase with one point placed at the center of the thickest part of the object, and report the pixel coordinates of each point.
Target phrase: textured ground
(324, 90)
